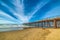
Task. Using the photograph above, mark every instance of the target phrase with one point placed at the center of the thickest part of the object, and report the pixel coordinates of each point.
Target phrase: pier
(46, 23)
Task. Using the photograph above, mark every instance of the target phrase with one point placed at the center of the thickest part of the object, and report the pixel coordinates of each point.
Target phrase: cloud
(19, 14)
(6, 22)
(53, 13)
(20, 10)
(39, 5)
(5, 16)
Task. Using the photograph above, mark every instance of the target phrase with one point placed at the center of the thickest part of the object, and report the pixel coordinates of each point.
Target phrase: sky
(23, 11)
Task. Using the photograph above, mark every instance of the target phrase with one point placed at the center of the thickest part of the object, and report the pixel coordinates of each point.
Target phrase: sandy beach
(32, 34)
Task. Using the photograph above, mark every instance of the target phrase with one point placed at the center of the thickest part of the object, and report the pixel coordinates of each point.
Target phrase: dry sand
(31, 34)
(54, 35)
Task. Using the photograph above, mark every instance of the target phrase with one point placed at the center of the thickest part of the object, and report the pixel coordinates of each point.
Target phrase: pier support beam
(55, 23)
(41, 24)
(48, 24)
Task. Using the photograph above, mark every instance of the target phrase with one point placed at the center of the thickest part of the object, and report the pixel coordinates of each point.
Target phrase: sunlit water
(10, 29)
